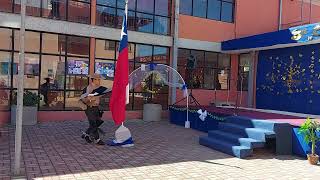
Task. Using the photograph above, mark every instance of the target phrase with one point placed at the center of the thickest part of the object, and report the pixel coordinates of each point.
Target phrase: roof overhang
(295, 36)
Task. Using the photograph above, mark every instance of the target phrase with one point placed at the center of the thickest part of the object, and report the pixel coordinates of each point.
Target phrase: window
(6, 36)
(106, 16)
(105, 49)
(53, 67)
(53, 44)
(70, 10)
(79, 11)
(161, 25)
(244, 69)
(4, 99)
(144, 22)
(214, 7)
(6, 6)
(220, 10)
(33, 8)
(78, 46)
(152, 89)
(143, 53)
(186, 7)
(31, 71)
(32, 41)
(146, 6)
(56, 68)
(5, 70)
(77, 70)
(163, 7)
(226, 12)
(199, 8)
(54, 9)
(149, 16)
(206, 70)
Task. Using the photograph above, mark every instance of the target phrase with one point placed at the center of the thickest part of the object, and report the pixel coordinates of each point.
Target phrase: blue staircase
(238, 136)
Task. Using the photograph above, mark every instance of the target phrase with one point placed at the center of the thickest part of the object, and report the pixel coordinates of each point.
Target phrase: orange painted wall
(251, 17)
(256, 17)
(298, 12)
(204, 29)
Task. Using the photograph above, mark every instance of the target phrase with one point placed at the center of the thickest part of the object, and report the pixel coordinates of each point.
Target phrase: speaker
(191, 62)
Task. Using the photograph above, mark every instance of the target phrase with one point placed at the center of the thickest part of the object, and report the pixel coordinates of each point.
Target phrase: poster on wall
(105, 69)
(78, 67)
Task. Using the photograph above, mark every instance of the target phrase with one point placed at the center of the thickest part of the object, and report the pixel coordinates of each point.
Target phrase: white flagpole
(19, 115)
(126, 15)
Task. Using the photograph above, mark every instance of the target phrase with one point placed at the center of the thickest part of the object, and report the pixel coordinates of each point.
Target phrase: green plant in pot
(309, 131)
(29, 98)
(30, 102)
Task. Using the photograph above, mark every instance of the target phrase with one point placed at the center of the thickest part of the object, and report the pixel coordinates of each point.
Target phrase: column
(92, 39)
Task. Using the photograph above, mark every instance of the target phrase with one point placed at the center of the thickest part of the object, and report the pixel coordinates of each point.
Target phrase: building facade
(68, 39)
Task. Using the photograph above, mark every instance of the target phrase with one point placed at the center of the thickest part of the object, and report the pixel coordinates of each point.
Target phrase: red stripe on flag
(121, 80)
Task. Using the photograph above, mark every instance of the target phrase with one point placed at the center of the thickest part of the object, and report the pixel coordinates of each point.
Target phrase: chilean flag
(120, 89)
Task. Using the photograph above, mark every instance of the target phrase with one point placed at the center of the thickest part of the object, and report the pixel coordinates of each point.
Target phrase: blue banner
(299, 34)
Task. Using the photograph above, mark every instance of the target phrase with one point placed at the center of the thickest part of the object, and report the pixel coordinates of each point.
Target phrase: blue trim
(299, 34)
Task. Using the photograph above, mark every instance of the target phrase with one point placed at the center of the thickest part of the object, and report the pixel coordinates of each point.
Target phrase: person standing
(46, 90)
(93, 112)
(55, 9)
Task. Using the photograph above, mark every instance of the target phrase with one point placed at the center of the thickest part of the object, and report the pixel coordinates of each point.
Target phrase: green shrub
(29, 98)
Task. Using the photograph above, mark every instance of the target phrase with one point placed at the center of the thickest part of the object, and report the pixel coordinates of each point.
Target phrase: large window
(57, 67)
(151, 16)
(221, 10)
(204, 70)
(151, 89)
(70, 10)
(244, 69)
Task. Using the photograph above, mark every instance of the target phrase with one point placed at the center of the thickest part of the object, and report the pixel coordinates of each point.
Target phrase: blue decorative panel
(288, 79)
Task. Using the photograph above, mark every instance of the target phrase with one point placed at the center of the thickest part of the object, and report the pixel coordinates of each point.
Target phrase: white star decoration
(123, 33)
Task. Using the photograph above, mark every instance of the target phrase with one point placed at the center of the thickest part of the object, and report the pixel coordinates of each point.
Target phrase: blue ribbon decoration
(152, 66)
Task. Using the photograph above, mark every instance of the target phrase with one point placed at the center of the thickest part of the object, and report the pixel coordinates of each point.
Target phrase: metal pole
(175, 49)
(18, 134)
(280, 15)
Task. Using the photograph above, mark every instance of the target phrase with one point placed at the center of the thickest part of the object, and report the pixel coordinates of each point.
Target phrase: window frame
(204, 67)
(207, 9)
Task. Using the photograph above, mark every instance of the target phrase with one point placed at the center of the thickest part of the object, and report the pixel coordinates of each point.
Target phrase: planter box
(152, 112)
(29, 115)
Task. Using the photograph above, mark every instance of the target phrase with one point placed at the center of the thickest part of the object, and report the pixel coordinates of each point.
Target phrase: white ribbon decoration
(203, 114)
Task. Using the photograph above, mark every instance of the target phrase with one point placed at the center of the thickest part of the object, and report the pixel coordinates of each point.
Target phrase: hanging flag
(120, 89)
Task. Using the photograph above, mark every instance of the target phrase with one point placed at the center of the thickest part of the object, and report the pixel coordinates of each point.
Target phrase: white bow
(203, 114)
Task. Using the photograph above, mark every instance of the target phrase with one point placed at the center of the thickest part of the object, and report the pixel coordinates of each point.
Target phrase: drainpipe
(19, 115)
(280, 14)
(175, 49)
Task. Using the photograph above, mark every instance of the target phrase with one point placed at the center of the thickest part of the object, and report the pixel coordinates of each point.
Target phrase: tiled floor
(161, 151)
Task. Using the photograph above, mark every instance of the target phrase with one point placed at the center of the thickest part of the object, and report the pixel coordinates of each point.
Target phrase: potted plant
(309, 131)
(30, 102)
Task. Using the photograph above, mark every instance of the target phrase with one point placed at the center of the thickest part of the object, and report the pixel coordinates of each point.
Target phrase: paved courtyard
(161, 151)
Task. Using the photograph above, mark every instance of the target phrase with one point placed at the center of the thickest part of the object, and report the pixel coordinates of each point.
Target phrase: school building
(258, 54)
